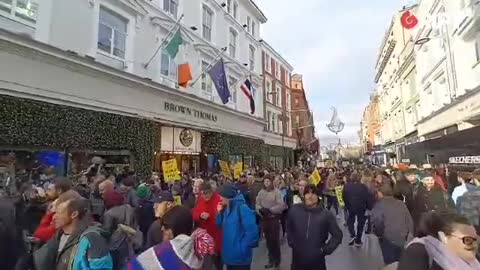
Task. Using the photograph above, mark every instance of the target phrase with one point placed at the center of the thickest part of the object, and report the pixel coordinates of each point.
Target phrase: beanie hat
(143, 191)
(113, 198)
(228, 191)
(425, 174)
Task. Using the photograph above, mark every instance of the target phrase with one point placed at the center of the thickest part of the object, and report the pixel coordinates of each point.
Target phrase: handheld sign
(170, 170)
(225, 169)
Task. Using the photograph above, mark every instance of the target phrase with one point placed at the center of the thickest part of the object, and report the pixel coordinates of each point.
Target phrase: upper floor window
(249, 23)
(207, 23)
(235, 10)
(253, 30)
(231, 84)
(168, 66)
(477, 46)
(268, 63)
(171, 6)
(251, 57)
(229, 6)
(278, 94)
(268, 87)
(297, 120)
(206, 81)
(296, 102)
(22, 9)
(112, 33)
(269, 115)
(277, 70)
(232, 43)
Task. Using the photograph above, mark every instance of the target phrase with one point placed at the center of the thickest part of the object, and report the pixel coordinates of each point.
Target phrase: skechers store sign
(464, 160)
(172, 107)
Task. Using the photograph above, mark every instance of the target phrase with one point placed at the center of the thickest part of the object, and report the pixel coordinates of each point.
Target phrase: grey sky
(334, 44)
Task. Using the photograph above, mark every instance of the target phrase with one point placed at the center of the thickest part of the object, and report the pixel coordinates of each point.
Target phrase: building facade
(277, 84)
(100, 83)
(302, 121)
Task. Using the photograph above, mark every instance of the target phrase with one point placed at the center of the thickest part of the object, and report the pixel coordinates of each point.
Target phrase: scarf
(438, 252)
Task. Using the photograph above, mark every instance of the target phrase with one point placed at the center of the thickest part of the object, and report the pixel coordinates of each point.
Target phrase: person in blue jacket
(240, 232)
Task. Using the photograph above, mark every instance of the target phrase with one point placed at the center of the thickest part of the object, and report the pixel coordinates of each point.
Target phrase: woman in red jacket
(204, 215)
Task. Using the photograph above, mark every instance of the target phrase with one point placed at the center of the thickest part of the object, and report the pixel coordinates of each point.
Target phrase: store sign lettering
(464, 160)
(171, 107)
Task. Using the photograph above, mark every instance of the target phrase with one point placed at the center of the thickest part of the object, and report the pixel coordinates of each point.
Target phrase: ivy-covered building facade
(59, 110)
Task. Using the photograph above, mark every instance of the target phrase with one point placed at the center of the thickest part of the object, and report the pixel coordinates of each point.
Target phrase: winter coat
(271, 200)
(145, 214)
(155, 234)
(85, 249)
(131, 197)
(255, 188)
(415, 257)
(404, 191)
(46, 230)
(243, 188)
(356, 197)
(240, 232)
(392, 221)
(209, 224)
(307, 232)
(425, 201)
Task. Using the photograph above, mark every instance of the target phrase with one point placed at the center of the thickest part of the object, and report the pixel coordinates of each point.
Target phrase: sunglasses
(466, 240)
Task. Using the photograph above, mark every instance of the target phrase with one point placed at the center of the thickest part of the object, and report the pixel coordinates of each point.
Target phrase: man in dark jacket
(309, 226)
(357, 199)
(404, 189)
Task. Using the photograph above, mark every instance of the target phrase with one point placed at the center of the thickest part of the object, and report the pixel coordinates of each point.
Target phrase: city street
(344, 258)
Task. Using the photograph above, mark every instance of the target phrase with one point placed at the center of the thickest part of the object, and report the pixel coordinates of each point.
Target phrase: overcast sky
(334, 44)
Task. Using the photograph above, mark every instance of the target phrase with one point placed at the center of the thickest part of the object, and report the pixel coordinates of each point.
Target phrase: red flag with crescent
(408, 20)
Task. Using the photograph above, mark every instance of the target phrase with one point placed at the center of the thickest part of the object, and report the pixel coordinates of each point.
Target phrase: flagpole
(164, 41)
(215, 60)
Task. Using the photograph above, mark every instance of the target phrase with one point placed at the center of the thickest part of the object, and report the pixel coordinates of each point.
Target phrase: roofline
(262, 16)
(278, 55)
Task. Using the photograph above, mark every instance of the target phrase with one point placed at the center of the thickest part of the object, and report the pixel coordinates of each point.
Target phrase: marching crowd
(424, 219)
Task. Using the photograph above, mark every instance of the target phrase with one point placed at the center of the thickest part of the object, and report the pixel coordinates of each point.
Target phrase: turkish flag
(408, 20)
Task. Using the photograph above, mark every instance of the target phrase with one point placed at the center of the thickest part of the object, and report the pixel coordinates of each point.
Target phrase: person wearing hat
(240, 232)
(312, 232)
(405, 187)
(162, 204)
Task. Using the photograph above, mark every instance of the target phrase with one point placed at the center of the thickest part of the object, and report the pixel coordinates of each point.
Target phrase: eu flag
(219, 78)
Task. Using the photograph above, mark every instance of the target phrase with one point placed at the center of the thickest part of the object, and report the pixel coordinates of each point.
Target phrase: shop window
(109, 162)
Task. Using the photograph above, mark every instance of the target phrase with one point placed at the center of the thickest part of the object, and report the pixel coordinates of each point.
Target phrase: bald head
(106, 186)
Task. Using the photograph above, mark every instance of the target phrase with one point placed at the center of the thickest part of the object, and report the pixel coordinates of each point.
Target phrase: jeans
(238, 267)
(391, 252)
(271, 229)
(359, 216)
(332, 201)
(318, 264)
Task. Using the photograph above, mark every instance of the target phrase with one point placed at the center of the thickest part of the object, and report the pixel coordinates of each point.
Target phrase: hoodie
(240, 232)
(209, 225)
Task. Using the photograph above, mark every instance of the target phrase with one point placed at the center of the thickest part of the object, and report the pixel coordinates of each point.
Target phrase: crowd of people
(423, 219)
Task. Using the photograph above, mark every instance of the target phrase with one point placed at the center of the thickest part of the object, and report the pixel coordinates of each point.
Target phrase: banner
(238, 170)
(339, 193)
(170, 170)
(315, 177)
(225, 169)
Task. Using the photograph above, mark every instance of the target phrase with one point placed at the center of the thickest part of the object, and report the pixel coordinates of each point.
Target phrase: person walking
(356, 198)
(312, 232)
(270, 206)
(204, 215)
(392, 223)
(240, 232)
(404, 188)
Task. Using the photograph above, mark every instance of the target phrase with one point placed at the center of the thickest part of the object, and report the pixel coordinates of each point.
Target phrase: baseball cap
(164, 196)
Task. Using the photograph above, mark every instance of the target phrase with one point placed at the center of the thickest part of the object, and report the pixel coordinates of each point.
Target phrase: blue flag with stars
(219, 78)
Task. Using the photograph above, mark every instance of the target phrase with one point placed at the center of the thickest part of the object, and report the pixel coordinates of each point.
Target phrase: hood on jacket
(184, 247)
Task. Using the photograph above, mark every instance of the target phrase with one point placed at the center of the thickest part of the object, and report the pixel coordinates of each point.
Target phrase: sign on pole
(315, 177)
(170, 170)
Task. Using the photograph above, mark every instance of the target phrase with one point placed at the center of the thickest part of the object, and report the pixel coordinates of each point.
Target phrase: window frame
(113, 34)
(278, 74)
(249, 23)
(233, 90)
(235, 10)
(269, 115)
(254, 25)
(477, 47)
(278, 94)
(172, 66)
(269, 90)
(268, 63)
(207, 11)
(12, 12)
(251, 57)
(206, 82)
(171, 3)
(232, 42)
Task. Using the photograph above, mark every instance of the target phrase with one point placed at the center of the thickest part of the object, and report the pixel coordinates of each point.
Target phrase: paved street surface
(345, 257)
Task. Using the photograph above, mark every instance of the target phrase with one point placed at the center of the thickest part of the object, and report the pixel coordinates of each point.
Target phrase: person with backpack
(312, 232)
(240, 232)
(121, 223)
(270, 206)
(467, 199)
(77, 245)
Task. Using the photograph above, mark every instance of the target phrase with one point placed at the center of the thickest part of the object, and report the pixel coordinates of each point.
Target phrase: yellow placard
(178, 199)
(238, 170)
(225, 169)
(315, 177)
(170, 170)
(339, 193)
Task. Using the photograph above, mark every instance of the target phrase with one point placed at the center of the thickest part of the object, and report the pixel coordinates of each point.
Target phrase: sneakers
(358, 243)
(270, 265)
(352, 241)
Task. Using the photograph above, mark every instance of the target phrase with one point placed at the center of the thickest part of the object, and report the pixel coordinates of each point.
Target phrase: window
(253, 28)
(251, 57)
(112, 33)
(249, 24)
(229, 6)
(207, 23)
(288, 101)
(297, 121)
(171, 6)
(231, 84)
(287, 78)
(274, 119)
(23, 9)
(268, 120)
(289, 128)
(277, 70)
(235, 9)
(168, 67)
(278, 94)
(268, 86)
(477, 46)
(280, 124)
(232, 44)
(206, 81)
(296, 101)
(267, 63)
